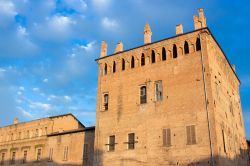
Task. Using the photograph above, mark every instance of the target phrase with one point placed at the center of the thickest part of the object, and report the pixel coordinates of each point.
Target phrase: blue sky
(48, 47)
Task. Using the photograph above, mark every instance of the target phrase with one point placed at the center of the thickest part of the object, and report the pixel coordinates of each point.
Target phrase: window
(13, 158)
(25, 153)
(191, 135)
(164, 55)
(143, 95)
(114, 67)
(105, 69)
(65, 153)
(39, 155)
(111, 144)
(198, 44)
(158, 90)
(166, 137)
(37, 132)
(153, 56)
(175, 51)
(50, 154)
(28, 134)
(106, 102)
(131, 140)
(85, 150)
(224, 141)
(132, 62)
(123, 64)
(186, 48)
(142, 59)
(2, 159)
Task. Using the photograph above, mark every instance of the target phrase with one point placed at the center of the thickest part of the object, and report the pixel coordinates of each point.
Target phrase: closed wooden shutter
(131, 141)
(191, 135)
(166, 137)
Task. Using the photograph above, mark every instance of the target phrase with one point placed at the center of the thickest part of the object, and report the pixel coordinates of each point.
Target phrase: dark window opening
(25, 153)
(143, 95)
(153, 57)
(114, 67)
(39, 155)
(224, 143)
(186, 48)
(166, 137)
(164, 55)
(111, 144)
(2, 159)
(158, 91)
(142, 59)
(106, 102)
(105, 69)
(175, 54)
(13, 158)
(131, 141)
(132, 62)
(123, 64)
(198, 44)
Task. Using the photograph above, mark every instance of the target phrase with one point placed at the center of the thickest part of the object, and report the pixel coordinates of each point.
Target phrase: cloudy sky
(48, 47)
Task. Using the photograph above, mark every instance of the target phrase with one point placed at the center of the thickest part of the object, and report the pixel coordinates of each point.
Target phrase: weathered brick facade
(178, 96)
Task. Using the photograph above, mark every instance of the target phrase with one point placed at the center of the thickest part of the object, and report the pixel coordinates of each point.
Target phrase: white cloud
(101, 4)
(88, 47)
(7, 7)
(2, 70)
(67, 98)
(40, 106)
(78, 5)
(21, 88)
(19, 93)
(36, 90)
(25, 113)
(45, 80)
(21, 31)
(109, 24)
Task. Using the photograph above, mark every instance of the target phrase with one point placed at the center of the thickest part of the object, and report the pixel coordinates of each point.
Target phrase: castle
(171, 102)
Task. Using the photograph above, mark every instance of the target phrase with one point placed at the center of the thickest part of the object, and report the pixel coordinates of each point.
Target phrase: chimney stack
(15, 120)
(179, 29)
(119, 47)
(147, 34)
(104, 48)
(200, 20)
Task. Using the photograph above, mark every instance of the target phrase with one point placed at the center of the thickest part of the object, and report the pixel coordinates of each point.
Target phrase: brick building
(171, 102)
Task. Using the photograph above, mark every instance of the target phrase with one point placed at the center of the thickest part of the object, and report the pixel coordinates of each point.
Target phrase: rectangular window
(111, 143)
(2, 159)
(143, 95)
(13, 158)
(50, 154)
(37, 133)
(25, 153)
(86, 150)
(106, 102)
(191, 135)
(39, 155)
(131, 140)
(166, 137)
(158, 91)
(65, 153)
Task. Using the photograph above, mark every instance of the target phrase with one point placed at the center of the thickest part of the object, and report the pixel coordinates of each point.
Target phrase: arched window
(186, 48)
(105, 69)
(142, 59)
(175, 51)
(143, 94)
(153, 56)
(123, 64)
(198, 44)
(164, 55)
(114, 67)
(132, 62)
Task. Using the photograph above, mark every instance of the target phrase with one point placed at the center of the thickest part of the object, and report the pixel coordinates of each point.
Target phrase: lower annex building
(171, 102)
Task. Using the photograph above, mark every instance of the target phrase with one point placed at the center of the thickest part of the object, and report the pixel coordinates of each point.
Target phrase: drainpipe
(206, 106)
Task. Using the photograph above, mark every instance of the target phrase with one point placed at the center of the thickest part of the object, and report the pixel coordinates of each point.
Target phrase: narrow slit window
(39, 155)
(2, 159)
(51, 154)
(143, 95)
(111, 143)
(158, 91)
(13, 158)
(198, 44)
(186, 48)
(65, 153)
(132, 62)
(224, 141)
(105, 69)
(131, 141)
(142, 59)
(153, 56)
(123, 64)
(164, 55)
(114, 67)
(25, 153)
(106, 102)
(175, 54)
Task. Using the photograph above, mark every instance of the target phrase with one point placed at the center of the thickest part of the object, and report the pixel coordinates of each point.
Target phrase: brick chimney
(104, 48)
(147, 34)
(15, 120)
(179, 29)
(119, 47)
(200, 20)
